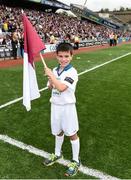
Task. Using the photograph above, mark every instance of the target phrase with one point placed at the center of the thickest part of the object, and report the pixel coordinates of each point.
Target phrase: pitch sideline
(88, 70)
(85, 170)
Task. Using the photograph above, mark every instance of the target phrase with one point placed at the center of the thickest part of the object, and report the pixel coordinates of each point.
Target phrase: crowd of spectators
(51, 27)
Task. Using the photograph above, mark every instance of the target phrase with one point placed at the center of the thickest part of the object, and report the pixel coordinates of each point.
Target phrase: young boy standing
(62, 80)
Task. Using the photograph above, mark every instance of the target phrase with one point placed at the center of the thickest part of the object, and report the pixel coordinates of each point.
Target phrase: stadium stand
(125, 16)
(51, 27)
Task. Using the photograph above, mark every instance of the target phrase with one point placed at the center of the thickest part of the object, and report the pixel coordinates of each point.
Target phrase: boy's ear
(56, 56)
(71, 57)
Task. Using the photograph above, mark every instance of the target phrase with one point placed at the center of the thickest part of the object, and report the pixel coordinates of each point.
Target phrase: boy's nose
(63, 58)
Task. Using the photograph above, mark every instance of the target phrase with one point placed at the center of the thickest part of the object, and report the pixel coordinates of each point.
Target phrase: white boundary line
(91, 69)
(88, 70)
(18, 99)
(39, 152)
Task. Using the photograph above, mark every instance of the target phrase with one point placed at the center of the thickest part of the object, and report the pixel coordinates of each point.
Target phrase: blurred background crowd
(51, 27)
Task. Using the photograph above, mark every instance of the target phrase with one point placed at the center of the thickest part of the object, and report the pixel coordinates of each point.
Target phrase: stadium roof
(36, 4)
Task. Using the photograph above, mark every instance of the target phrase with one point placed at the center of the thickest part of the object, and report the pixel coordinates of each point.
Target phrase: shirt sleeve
(71, 80)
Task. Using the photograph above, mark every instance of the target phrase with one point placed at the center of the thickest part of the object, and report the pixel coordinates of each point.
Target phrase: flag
(32, 46)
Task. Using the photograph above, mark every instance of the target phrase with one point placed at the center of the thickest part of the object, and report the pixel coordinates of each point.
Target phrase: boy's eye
(64, 56)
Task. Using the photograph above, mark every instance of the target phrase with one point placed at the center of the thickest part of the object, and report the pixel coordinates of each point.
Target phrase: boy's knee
(60, 134)
(74, 137)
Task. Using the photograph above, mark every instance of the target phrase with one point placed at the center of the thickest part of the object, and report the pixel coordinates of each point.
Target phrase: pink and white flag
(32, 46)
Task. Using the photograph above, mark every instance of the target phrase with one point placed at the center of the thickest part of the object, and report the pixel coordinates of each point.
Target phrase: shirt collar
(65, 69)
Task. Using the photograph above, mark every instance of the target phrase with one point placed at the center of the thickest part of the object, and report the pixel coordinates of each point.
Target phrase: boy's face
(64, 58)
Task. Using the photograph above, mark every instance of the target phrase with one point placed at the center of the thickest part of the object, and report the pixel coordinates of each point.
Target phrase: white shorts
(64, 118)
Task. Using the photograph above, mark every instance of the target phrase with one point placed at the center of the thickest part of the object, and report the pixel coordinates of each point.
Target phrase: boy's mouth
(63, 63)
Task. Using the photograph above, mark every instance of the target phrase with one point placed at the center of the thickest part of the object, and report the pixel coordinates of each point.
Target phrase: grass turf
(103, 103)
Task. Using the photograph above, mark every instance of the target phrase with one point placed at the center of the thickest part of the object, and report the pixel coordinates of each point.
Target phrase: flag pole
(22, 11)
(43, 60)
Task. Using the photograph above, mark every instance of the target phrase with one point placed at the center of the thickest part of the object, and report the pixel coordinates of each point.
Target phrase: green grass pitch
(104, 111)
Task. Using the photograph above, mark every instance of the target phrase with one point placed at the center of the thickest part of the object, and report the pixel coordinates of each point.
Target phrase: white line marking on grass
(88, 70)
(18, 99)
(11, 102)
(39, 152)
(91, 69)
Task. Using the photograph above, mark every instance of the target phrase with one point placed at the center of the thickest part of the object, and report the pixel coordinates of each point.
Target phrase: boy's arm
(58, 85)
(49, 84)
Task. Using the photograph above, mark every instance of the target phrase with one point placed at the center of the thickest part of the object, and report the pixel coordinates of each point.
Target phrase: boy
(64, 120)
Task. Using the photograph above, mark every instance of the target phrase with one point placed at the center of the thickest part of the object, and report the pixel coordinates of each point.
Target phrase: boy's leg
(59, 135)
(58, 145)
(74, 165)
(59, 139)
(75, 149)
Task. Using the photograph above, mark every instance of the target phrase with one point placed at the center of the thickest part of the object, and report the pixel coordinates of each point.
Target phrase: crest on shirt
(69, 79)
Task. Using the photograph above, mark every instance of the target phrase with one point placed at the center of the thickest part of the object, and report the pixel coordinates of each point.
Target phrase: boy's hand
(48, 72)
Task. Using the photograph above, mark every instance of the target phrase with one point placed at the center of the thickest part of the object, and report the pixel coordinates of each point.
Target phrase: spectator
(14, 43)
(21, 41)
(76, 42)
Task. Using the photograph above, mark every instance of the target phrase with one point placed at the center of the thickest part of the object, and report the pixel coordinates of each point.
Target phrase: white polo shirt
(68, 77)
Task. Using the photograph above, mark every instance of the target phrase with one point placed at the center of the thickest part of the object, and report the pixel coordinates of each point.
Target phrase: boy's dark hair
(64, 46)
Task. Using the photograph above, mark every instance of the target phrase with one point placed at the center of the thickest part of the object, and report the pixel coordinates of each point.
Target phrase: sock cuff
(60, 137)
(74, 141)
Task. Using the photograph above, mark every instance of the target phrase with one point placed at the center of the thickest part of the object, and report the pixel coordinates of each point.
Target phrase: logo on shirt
(69, 79)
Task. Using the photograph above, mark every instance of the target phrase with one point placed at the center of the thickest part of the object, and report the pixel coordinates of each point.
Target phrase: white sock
(75, 149)
(58, 144)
